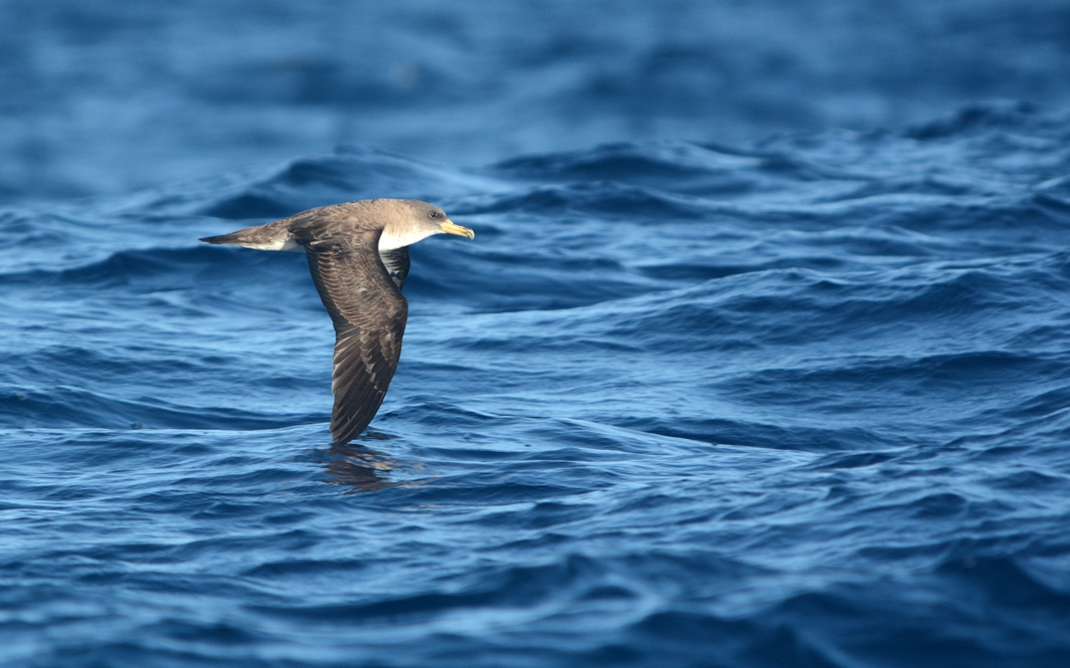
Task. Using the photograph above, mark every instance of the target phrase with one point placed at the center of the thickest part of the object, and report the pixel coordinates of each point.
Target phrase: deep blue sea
(760, 356)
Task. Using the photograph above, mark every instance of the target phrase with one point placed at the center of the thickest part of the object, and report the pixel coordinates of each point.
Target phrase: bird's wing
(397, 264)
(369, 314)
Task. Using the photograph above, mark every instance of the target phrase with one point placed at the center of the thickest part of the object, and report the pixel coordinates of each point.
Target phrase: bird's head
(413, 220)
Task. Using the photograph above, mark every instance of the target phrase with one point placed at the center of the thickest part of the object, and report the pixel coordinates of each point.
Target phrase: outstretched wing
(369, 314)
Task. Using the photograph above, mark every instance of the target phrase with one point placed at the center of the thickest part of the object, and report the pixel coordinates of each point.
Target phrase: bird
(358, 253)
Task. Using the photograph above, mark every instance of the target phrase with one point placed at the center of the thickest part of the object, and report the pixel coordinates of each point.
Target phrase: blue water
(709, 387)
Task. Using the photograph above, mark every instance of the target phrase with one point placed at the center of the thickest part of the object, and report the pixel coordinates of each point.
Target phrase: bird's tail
(232, 239)
(273, 237)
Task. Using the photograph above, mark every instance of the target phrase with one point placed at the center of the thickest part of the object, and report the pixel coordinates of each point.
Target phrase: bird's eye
(434, 214)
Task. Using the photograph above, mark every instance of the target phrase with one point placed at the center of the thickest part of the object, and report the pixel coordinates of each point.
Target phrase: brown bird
(359, 256)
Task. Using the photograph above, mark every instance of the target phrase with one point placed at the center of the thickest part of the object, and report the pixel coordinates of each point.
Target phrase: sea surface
(782, 396)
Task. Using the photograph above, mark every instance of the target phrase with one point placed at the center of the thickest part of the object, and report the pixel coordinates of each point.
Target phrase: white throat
(391, 240)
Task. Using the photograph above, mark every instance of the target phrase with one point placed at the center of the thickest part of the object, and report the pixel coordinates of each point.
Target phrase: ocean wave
(800, 402)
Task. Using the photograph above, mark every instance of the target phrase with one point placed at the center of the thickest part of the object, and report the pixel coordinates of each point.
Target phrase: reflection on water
(358, 467)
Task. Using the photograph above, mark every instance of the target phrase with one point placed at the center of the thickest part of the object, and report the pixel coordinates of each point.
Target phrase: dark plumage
(359, 257)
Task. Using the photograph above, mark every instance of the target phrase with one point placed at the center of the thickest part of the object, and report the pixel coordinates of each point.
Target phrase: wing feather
(397, 264)
(369, 315)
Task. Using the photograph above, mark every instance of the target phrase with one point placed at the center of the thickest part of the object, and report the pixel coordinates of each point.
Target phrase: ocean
(760, 356)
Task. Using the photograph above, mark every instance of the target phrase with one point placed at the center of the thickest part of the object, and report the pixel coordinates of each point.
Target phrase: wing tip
(348, 424)
(343, 435)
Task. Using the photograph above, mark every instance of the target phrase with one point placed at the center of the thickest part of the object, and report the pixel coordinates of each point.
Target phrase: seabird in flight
(359, 256)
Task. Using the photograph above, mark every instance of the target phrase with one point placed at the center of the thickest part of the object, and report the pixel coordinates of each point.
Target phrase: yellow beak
(450, 227)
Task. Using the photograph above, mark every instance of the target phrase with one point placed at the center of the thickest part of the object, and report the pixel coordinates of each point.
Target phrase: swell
(796, 403)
